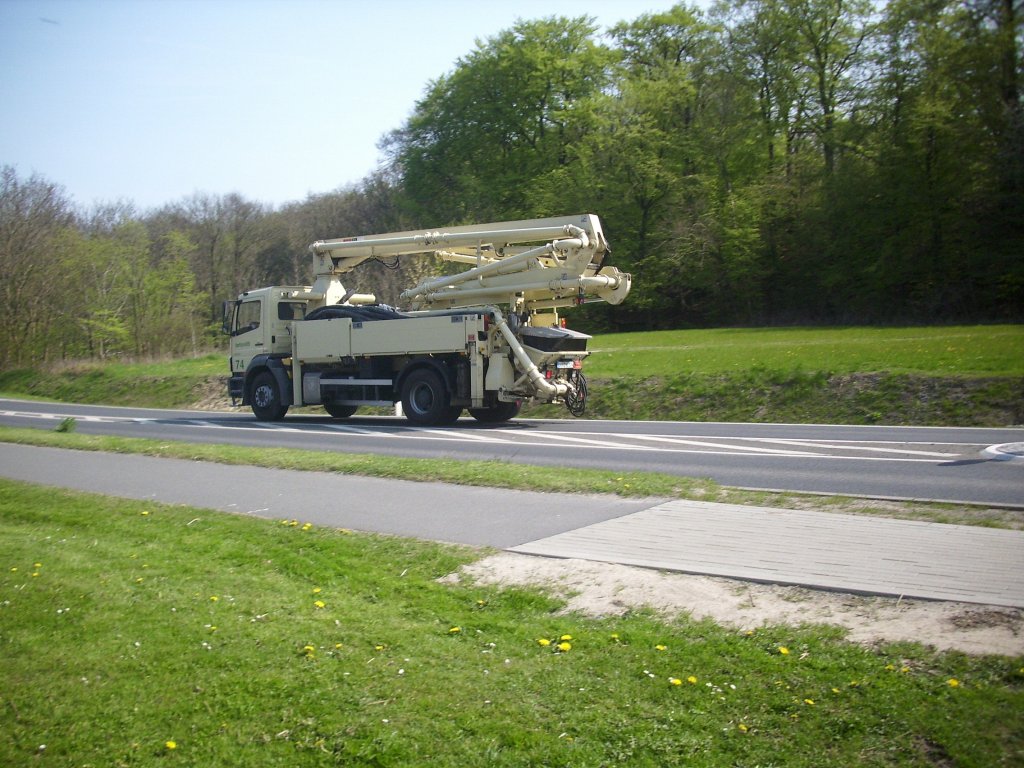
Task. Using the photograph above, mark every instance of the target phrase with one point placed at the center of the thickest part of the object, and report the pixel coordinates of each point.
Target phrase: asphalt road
(946, 464)
(476, 516)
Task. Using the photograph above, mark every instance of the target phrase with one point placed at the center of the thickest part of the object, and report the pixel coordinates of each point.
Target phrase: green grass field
(946, 376)
(996, 350)
(135, 634)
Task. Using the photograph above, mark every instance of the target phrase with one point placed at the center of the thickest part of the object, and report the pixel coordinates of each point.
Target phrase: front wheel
(266, 398)
(425, 399)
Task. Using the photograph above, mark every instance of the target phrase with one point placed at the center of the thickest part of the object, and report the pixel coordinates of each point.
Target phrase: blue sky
(149, 101)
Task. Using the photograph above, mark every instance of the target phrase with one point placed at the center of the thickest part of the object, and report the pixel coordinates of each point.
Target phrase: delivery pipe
(542, 385)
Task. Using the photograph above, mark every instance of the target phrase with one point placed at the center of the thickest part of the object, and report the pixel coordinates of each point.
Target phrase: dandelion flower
(660, 647)
(953, 682)
(691, 680)
(307, 526)
(454, 630)
(214, 598)
(319, 604)
(675, 681)
(564, 647)
(565, 637)
(168, 744)
(809, 702)
(743, 728)
(543, 642)
(784, 650)
(316, 590)
(145, 513)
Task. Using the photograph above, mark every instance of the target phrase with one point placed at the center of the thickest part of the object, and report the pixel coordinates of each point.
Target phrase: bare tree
(33, 214)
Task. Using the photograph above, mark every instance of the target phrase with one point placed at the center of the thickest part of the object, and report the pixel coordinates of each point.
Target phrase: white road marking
(684, 441)
(874, 448)
(585, 441)
(461, 435)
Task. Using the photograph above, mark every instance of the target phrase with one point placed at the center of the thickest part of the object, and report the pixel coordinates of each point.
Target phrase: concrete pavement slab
(847, 553)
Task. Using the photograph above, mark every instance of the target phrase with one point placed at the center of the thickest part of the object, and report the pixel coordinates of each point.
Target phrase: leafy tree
(507, 114)
(832, 35)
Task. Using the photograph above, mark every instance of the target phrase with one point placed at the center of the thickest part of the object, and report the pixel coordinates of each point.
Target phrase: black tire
(266, 398)
(425, 399)
(338, 411)
(500, 412)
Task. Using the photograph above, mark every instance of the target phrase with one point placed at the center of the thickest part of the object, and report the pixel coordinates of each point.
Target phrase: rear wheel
(425, 399)
(266, 398)
(498, 413)
(338, 411)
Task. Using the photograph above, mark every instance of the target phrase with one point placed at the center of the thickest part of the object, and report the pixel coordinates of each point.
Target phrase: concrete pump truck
(485, 340)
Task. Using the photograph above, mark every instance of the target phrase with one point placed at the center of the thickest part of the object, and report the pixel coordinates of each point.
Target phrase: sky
(152, 101)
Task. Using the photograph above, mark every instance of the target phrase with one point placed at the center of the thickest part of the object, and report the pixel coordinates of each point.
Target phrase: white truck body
(456, 349)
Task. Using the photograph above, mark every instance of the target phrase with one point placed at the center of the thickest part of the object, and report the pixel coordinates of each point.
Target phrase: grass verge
(499, 474)
(798, 397)
(134, 634)
(161, 384)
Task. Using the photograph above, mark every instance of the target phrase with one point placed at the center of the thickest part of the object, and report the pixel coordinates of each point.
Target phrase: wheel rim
(422, 399)
(263, 396)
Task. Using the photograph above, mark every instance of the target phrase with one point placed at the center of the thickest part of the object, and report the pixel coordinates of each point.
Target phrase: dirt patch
(211, 395)
(603, 589)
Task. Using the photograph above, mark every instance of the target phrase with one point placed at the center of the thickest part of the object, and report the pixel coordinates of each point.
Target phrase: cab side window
(289, 310)
(248, 317)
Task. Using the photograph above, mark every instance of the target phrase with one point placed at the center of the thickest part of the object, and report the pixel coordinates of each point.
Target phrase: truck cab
(259, 323)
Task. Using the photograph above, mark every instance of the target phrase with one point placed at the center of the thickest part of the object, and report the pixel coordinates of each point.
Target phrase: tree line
(761, 162)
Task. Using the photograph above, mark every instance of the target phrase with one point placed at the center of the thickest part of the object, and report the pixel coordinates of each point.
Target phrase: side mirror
(227, 315)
